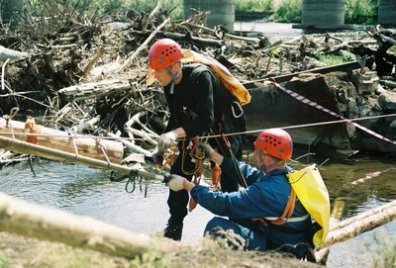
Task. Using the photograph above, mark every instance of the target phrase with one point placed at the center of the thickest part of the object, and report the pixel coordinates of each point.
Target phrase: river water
(89, 192)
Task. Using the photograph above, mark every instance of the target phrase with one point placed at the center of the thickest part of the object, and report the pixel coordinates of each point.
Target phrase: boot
(173, 230)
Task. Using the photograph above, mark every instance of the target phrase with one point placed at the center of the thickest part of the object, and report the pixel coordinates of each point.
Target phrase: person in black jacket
(198, 105)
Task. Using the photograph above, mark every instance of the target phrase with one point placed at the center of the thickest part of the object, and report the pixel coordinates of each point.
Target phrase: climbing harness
(197, 156)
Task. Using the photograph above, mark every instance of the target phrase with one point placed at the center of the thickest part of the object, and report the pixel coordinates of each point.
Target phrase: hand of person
(176, 183)
(207, 149)
(166, 140)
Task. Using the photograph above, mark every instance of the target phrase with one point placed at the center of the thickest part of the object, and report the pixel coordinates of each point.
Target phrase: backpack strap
(287, 212)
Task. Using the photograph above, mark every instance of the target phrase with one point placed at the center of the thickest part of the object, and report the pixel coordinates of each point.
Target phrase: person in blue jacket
(266, 214)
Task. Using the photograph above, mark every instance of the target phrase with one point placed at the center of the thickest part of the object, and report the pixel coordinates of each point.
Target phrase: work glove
(207, 149)
(176, 183)
(156, 156)
(166, 141)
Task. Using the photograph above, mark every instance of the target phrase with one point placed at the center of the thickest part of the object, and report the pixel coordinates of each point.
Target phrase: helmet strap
(174, 77)
(275, 165)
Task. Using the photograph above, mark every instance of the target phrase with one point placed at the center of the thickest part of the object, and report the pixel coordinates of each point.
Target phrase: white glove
(166, 140)
(176, 183)
(207, 149)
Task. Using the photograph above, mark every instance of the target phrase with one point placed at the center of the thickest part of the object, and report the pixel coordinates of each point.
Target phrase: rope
(344, 120)
(321, 108)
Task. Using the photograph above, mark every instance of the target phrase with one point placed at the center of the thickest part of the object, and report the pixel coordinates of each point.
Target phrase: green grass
(4, 262)
(330, 60)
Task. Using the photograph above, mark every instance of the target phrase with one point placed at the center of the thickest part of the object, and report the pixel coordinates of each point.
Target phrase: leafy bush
(103, 7)
(288, 11)
(253, 6)
(360, 11)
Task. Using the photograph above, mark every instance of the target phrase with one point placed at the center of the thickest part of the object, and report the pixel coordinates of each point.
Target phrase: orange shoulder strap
(288, 209)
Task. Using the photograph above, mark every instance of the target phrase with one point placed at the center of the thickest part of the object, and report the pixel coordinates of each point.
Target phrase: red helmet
(276, 142)
(164, 53)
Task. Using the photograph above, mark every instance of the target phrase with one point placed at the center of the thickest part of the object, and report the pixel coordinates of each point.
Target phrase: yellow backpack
(312, 193)
(229, 81)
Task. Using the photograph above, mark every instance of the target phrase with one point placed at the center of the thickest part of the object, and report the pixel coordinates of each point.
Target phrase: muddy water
(86, 191)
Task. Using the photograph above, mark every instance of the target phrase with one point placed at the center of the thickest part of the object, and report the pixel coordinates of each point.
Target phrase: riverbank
(18, 252)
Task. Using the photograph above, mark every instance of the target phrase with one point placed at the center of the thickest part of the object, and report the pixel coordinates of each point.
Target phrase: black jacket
(199, 102)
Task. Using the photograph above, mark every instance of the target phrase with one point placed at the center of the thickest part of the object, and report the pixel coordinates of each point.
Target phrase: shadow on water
(363, 183)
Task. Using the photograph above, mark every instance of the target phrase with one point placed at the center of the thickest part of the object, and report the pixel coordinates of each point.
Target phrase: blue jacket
(265, 197)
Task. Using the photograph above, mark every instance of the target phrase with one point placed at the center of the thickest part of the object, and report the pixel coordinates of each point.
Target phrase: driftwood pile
(80, 72)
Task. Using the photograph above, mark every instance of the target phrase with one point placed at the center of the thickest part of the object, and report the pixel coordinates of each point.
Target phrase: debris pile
(80, 72)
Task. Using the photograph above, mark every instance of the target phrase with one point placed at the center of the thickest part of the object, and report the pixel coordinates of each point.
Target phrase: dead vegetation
(17, 251)
(87, 73)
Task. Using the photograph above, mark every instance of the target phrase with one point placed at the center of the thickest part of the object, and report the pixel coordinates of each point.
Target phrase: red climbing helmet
(164, 53)
(276, 142)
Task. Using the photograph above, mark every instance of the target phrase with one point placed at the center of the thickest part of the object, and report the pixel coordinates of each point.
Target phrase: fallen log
(212, 31)
(363, 216)
(361, 223)
(336, 214)
(47, 152)
(106, 150)
(6, 53)
(31, 220)
(88, 90)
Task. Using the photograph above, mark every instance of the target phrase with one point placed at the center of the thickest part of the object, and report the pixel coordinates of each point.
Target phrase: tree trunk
(22, 218)
(106, 150)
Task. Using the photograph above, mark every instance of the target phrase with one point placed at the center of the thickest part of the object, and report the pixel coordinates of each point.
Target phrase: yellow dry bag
(229, 81)
(312, 193)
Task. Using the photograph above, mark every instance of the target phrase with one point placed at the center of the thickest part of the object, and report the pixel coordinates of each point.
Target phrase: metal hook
(133, 180)
(237, 106)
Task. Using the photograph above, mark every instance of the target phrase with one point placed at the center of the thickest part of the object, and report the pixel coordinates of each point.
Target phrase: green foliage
(4, 262)
(392, 50)
(288, 11)
(151, 259)
(330, 60)
(253, 6)
(360, 11)
(103, 7)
